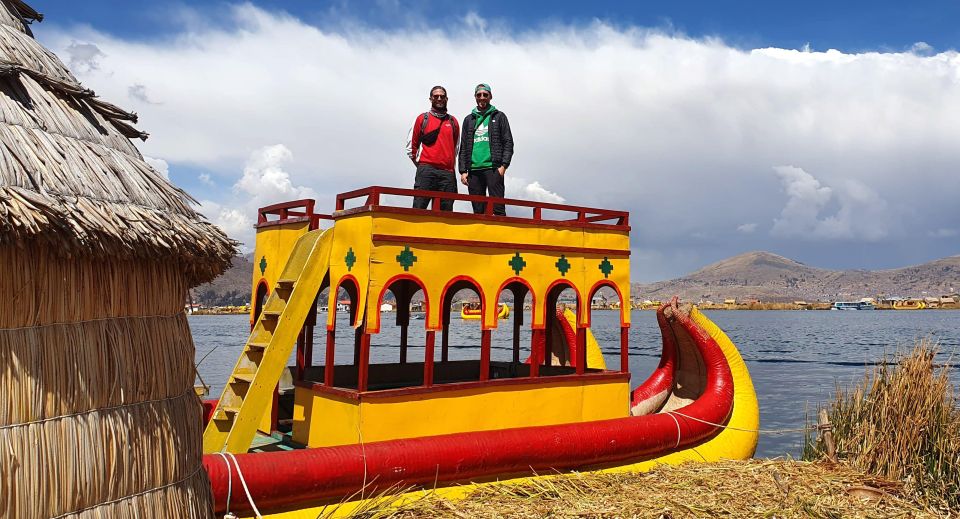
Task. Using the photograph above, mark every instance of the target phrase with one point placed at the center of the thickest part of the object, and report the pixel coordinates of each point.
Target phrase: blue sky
(825, 132)
(847, 25)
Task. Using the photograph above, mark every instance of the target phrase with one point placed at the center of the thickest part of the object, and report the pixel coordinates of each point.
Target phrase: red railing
(291, 212)
(577, 214)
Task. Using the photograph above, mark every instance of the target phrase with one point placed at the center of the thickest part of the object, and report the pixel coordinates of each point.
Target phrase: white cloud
(747, 228)
(159, 165)
(83, 57)
(515, 187)
(205, 179)
(619, 117)
(860, 213)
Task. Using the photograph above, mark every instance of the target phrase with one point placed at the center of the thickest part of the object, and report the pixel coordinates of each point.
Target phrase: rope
(131, 496)
(678, 429)
(229, 483)
(82, 413)
(99, 319)
(244, 483)
(758, 431)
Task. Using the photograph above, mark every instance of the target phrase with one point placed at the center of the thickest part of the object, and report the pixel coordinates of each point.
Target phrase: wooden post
(581, 350)
(403, 344)
(428, 359)
(445, 343)
(301, 354)
(364, 367)
(826, 433)
(328, 357)
(536, 352)
(624, 349)
(517, 318)
(484, 354)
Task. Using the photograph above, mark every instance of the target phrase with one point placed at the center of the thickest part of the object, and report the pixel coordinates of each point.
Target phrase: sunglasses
(439, 96)
(482, 94)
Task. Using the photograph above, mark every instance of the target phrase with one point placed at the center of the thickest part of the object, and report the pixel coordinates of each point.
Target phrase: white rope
(229, 483)
(244, 483)
(759, 431)
(98, 410)
(131, 496)
(678, 428)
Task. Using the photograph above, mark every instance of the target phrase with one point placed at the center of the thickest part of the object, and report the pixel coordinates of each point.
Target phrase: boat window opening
(464, 345)
(610, 334)
(555, 357)
(511, 339)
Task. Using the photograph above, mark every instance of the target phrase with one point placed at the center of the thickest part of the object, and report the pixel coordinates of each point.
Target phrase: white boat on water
(853, 305)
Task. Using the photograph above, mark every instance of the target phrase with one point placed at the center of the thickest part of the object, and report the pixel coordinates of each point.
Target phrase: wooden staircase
(250, 388)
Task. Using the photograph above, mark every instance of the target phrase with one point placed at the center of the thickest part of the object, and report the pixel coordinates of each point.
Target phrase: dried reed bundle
(902, 422)
(753, 488)
(97, 415)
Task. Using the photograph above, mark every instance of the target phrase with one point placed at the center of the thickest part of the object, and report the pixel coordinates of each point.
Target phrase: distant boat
(853, 305)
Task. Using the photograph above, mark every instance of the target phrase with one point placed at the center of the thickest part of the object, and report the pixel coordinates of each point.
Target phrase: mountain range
(771, 278)
(754, 275)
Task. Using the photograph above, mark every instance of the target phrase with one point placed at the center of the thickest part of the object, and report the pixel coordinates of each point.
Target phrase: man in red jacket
(432, 146)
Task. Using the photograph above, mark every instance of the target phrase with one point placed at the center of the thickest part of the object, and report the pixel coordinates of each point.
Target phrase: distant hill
(232, 288)
(772, 278)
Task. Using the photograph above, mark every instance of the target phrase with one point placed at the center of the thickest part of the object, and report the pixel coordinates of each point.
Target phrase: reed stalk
(902, 422)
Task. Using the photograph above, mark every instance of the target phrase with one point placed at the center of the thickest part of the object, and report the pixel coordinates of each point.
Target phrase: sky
(824, 132)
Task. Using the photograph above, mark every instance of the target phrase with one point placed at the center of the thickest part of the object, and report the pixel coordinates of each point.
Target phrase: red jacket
(442, 154)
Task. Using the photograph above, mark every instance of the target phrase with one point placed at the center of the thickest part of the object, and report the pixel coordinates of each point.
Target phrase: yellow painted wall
(335, 420)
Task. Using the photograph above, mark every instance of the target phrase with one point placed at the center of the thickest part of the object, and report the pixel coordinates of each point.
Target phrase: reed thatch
(70, 177)
(98, 417)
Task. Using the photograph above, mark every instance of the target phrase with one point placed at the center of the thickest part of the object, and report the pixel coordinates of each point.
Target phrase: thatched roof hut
(97, 412)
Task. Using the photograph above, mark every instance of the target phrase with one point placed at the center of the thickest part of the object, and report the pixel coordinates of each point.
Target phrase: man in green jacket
(486, 150)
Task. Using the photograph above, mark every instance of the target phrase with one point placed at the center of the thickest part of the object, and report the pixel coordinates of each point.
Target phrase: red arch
(524, 282)
(394, 279)
(336, 290)
(479, 289)
(569, 284)
(606, 283)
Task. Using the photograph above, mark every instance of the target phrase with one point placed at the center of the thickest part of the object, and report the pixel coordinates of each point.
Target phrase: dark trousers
(483, 182)
(430, 178)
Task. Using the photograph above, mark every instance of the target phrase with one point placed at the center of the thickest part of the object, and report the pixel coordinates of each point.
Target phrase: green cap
(483, 86)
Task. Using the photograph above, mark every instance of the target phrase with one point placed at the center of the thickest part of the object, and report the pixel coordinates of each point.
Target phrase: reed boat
(350, 428)
(475, 313)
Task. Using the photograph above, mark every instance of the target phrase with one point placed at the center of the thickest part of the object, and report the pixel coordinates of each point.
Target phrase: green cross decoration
(263, 265)
(350, 259)
(563, 265)
(406, 259)
(516, 263)
(606, 267)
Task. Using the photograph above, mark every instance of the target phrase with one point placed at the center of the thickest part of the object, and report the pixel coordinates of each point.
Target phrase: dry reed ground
(754, 488)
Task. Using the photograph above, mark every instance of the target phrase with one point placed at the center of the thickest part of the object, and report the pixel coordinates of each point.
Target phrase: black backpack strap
(423, 123)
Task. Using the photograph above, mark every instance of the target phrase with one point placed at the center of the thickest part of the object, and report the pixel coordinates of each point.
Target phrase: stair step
(231, 410)
(259, 345)
(271, 314)
(286, 283)
(244, 377)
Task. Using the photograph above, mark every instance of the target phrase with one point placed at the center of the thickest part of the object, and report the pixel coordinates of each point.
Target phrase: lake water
(795, 358)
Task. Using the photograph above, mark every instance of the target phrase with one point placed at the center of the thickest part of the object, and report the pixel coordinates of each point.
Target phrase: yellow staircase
(249, 390)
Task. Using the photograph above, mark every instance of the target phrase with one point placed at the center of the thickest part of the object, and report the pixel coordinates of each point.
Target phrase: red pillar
(581, 350)
(328, 360)
(363, 370)
(403, 344)
(484, 354)
(536, 352)
(624, 349)
(428, 359)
